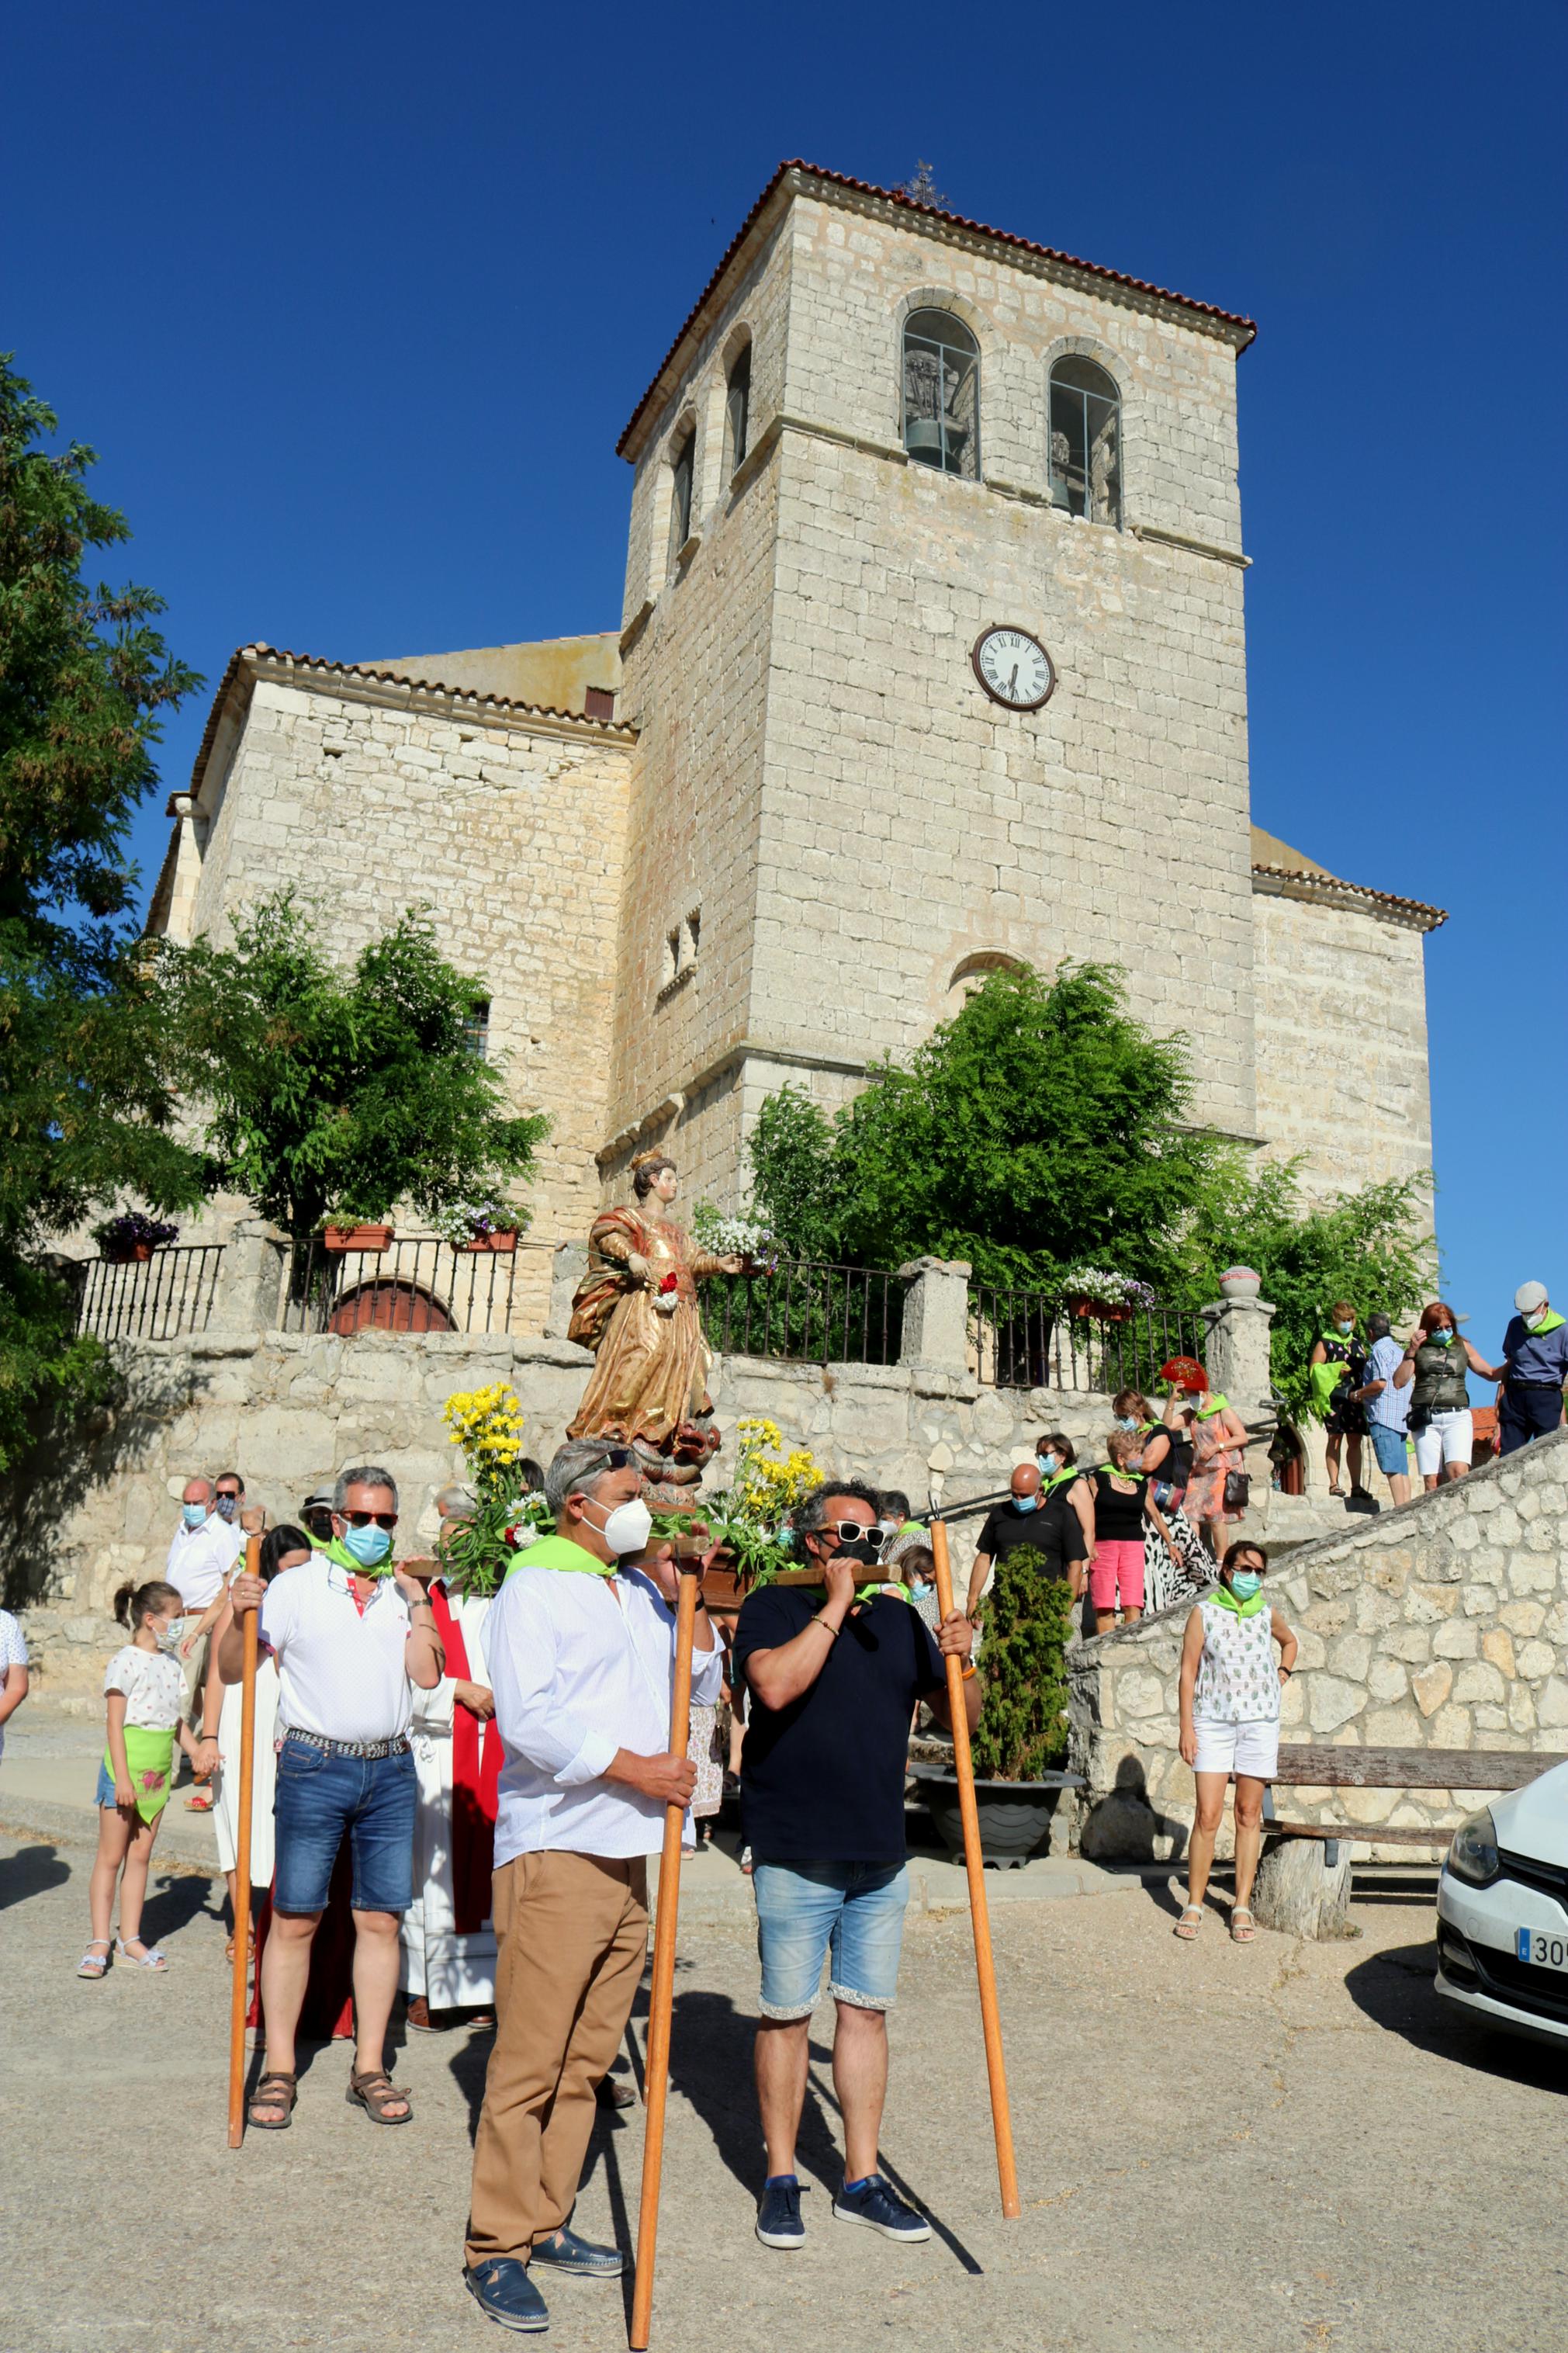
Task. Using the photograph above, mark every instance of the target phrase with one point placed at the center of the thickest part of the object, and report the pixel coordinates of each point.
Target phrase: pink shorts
(1117, 1564)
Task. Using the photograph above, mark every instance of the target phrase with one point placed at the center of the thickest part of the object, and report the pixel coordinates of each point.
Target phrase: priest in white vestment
(449, 1944)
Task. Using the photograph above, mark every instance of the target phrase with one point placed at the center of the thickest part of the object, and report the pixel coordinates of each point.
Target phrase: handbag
(1237, 1489)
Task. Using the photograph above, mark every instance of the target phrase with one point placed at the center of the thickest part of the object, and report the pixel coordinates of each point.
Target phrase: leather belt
(366, 1748)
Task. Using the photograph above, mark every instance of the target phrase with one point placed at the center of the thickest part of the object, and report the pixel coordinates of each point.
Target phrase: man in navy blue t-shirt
(833, 1679)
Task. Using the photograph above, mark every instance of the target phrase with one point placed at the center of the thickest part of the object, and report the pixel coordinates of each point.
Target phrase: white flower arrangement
(1105, 1287)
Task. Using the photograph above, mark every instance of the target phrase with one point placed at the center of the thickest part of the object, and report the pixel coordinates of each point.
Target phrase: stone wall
(1440, 1625)
(373, 797)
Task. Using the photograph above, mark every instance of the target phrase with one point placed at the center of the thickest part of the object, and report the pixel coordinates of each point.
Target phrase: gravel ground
(1290, 2145)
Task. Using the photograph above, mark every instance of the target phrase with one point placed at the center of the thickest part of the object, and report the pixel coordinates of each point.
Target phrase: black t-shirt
(1053, 1530)
(821, 1780)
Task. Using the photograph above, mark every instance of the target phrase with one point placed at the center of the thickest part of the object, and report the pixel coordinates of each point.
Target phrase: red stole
(476, 1779)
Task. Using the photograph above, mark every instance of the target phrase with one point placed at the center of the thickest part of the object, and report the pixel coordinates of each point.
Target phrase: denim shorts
(1388, 1445)
(806, 1910)
(319, 1798)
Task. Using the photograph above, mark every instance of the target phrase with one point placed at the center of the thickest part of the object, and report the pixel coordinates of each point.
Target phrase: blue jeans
(806, 1910)
(319, 1798)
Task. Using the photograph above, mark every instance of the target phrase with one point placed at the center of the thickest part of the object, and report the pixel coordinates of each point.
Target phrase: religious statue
(637, 1308)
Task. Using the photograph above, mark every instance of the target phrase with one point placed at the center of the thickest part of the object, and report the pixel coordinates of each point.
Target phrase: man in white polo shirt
(352, 1635)
(204, 1547)
(581, 1652)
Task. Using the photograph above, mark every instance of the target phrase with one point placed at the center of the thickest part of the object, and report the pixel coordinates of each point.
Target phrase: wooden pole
(985, 1968)
(239, 1990)
(663, 1994)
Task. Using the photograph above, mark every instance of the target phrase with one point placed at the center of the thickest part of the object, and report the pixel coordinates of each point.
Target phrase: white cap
(1529, 1298)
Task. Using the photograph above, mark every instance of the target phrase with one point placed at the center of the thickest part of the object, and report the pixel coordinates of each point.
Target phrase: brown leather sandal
(261, 2098)
(374, 2091)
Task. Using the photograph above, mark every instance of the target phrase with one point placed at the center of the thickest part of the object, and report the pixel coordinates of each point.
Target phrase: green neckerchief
(1060, 1478)
(560, 1552)
(1549, 1323)
(337, 1550)
(1216, 1403)
(1227, 1600)
(148, 1760)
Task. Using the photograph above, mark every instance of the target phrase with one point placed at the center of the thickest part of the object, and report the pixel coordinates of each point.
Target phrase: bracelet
(826, 1626)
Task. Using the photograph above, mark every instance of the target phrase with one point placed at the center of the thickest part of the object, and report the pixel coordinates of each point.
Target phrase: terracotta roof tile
(928, 212)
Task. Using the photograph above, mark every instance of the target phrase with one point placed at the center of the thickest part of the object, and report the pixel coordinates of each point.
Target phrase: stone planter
(338, 1239)
(1015, 1816)
(501, 1245)
(1240, 1283)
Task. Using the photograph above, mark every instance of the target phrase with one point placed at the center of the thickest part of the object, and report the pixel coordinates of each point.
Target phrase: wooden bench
(1305, 1900)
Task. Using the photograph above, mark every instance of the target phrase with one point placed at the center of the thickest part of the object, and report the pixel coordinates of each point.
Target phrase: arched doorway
(393, 1305)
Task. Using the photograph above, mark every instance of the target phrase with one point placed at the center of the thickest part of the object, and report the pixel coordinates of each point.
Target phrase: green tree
(1371, 1247)
(1039, 1127)
(337, 1091)
(85, 1063)
(1023, 1726)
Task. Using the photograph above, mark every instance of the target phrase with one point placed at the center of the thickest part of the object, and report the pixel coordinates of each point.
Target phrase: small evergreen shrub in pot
(1019, 1745)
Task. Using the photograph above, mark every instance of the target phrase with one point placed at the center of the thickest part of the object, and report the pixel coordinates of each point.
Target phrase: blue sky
(353, 300)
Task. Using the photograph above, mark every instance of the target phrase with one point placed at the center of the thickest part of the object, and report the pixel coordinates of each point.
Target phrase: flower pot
(1101, 1311)
(1240, 1283)
(1015, 1816)
(356, 1237)
(501, 1245)
(129, 1253)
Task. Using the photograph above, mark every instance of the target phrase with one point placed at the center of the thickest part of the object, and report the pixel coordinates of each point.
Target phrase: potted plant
(487, 1225)
(131, 1238)
(742, 1238)
(343, 1231)
(1106, 1297)
(1022, 1735)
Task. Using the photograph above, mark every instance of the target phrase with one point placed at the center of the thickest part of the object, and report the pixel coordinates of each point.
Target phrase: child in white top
(145, 1689)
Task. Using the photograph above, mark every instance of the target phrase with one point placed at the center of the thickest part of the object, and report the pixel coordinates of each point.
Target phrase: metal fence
(1029, 1340)
(156, 1298)
(814, 1313)
(416, 1284)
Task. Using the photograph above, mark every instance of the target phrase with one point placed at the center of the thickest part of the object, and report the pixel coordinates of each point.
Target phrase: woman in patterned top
(1230, 1723)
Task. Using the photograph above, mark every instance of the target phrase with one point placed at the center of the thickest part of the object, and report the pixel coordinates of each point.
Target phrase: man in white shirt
(582, 1659)
(205, 1546)
(352, 1635)
(1387, 1409)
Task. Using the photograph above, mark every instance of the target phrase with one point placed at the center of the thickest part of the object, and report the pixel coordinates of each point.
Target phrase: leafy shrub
(1022, 1727)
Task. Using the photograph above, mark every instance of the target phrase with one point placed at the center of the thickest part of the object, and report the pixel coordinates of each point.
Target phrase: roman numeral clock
(1013, 668)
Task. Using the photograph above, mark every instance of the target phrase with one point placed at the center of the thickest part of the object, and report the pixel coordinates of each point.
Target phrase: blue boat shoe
(778, 2212)
(876, 2203)
(567, 2253)
(504, 2294)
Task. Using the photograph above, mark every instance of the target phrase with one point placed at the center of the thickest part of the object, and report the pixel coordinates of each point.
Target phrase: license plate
(1544, 1951)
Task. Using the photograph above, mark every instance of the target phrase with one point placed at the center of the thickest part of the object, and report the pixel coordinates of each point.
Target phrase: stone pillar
(1237, 1356)
(936, 1315)
(251, 1278)
(570, 1265)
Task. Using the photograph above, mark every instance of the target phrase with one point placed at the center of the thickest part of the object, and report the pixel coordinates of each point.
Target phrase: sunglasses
(851, 1531)
(614, 1457)
(369, 1519)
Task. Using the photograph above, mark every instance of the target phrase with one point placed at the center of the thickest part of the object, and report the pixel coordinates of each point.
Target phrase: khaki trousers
(572, 1932)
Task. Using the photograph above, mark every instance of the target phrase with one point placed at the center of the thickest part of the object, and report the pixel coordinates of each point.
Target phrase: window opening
(737, 405)
(941, 394)
(477, 1027)
(680, 495)
(1086, 442)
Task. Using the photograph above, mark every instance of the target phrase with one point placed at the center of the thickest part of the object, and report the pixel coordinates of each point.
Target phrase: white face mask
(1534, 1322)
(628, 1527)
(168, 1637)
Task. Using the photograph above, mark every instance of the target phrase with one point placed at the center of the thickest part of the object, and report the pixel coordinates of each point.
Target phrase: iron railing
(1031, 1340)
(419, 1284)
(814, 1313)
(156, 1298)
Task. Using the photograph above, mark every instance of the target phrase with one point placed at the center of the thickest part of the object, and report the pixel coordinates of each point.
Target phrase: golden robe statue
(637, 1308)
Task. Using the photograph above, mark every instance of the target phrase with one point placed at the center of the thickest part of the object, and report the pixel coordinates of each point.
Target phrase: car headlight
(1473, 1855)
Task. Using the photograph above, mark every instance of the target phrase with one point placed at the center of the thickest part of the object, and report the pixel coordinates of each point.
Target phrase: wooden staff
(239, 2001)
(657, 2075)
(985, 1968)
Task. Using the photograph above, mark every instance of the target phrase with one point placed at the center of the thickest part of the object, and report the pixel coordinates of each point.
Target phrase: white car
(1502, 1912)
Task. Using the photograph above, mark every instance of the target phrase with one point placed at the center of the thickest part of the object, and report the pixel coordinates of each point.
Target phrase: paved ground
(1219, 2148)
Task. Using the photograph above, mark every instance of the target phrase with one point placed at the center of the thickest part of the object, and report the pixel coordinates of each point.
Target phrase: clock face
(1013, 668)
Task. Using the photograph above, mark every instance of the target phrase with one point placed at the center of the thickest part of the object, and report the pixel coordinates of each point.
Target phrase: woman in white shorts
(1432, 1369)
(1230, 1723)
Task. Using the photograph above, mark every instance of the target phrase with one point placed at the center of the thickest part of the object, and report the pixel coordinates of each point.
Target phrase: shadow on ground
(1396, 1990)
(31, 1871)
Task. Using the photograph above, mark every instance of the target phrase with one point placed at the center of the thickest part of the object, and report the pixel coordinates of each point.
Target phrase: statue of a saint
(637, 1308)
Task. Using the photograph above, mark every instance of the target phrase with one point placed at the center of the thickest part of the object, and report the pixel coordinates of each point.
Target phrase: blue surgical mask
(1442, 1338)
(1245, 1583)
(1127, 1421)
(194, 1514)
(369, 1545)
(1047, 1464)
(1026, 1503)
(1344, 1329)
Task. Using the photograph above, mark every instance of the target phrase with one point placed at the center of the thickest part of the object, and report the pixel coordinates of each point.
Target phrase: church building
(931, 658)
